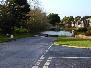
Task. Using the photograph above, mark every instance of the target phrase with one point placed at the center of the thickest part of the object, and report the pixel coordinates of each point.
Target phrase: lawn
(73, 42)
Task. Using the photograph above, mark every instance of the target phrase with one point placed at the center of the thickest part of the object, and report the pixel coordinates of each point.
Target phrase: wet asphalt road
(37, 52)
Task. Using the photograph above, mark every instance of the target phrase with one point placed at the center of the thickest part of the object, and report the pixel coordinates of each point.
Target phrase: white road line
(42, 58)
(38, 63)
(47, 63)
(73, 57)
(35, 67)
(45, 66)
(49, 48)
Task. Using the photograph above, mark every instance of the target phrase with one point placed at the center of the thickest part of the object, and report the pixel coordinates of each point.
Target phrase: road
(40, 52)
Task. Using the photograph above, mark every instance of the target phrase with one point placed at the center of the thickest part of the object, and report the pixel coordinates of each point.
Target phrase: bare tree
(37, 20)
(2, 2)
(34, 3)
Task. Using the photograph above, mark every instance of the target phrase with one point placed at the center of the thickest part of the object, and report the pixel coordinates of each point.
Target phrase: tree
(67, 21)
(53, 19)
(13, 13)
(37, 20)
(19, 9)
(5, 19)
(77, 18)
(70, 20)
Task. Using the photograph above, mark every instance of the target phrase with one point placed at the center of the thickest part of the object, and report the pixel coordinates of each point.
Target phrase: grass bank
(4, 38)
(73, 42)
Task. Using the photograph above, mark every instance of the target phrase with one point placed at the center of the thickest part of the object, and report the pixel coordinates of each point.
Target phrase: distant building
(89, 21)
(81, 23)
(78, 24)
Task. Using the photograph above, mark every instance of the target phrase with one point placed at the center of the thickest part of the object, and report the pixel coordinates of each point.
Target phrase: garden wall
(82, 37)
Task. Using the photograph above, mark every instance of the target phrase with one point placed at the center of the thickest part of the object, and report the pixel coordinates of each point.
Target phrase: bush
(82, 29)
(88, 33)
(89, 29)
(20, 30)
(52, 29)
(52, 35)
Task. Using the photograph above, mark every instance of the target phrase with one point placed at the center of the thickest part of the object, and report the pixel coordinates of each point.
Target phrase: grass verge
(73, 42)
(4, 38)
(17, 36)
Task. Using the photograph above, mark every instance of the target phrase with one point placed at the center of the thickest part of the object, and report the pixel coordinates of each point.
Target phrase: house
(89, 20)
(81, 23)
(78, 24)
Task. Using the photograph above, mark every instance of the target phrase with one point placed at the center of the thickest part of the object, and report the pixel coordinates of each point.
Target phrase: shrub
(52, 35)
(20, 30)
(52, 29)
(88, 33)
(82, 29)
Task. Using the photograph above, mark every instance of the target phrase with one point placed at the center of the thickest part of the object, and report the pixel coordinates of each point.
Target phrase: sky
(67, 7)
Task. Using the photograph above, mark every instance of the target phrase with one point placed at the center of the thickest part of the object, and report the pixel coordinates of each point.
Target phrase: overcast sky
(67, 7)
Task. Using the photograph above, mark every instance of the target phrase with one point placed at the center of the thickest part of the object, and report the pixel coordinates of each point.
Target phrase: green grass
(17, 36)
(73, 42)
(4, 38)
(63, 36)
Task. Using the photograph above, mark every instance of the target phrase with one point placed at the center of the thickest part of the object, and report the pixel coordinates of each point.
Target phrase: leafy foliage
(53, 18)
(13, 13)
(82, 29)
(88, 33)
(67, 21)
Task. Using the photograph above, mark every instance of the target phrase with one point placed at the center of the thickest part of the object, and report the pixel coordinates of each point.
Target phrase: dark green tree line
(53, 19)
(18, 14)
(13, 13)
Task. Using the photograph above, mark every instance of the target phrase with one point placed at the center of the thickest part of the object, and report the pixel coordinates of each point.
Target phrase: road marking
(35, 67)
(45, 66)
(42, 58)
(47, 63)
(49, 48)
(39, 60)
(73, 57)
(38, 63)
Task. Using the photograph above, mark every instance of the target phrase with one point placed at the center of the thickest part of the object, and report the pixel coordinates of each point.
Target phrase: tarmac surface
(40, 52)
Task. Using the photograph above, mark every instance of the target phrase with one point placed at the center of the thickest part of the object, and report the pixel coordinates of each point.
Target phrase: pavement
(40, 52)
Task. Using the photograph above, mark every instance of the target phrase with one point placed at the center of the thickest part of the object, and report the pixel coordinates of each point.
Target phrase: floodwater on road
(67, 33)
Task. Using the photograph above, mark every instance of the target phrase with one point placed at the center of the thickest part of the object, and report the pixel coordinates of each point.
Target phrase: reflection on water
(57, 33)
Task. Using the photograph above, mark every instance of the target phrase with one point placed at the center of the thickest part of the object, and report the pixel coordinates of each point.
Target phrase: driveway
(39, 52)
